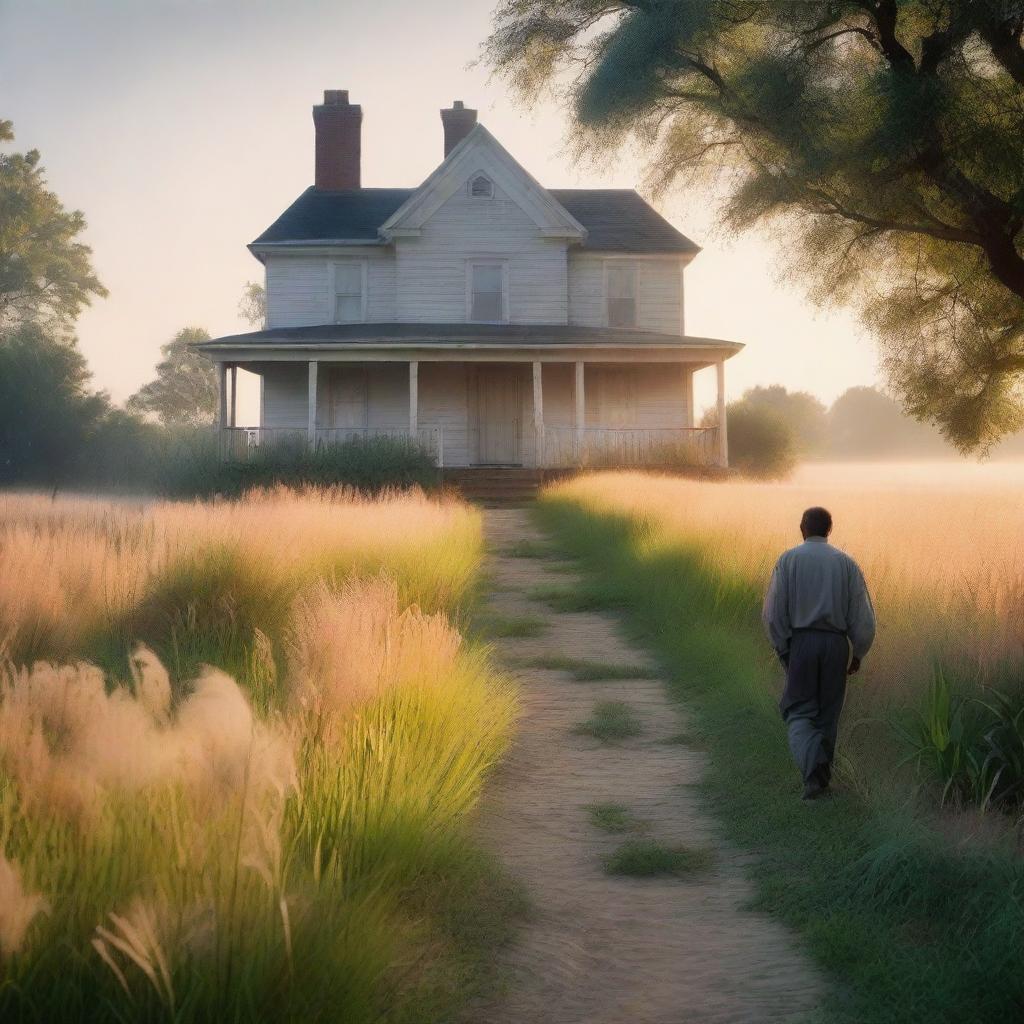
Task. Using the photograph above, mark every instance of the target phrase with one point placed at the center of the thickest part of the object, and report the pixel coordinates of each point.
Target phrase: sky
(182, 128)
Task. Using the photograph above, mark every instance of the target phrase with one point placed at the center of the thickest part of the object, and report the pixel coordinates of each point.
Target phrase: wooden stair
(499, 484)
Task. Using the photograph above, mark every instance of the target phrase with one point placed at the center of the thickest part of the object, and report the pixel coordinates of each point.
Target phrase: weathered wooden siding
(285, 395)
(644, 395)
(431, 269)
(299, 291)
(444, 402)
(659, 287)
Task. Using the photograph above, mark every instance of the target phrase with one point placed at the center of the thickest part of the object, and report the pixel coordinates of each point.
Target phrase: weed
(612, 720)
(571, 599)
(586, 671)
(529, 549)
(647, 858)
(512, 626)
(611, 817)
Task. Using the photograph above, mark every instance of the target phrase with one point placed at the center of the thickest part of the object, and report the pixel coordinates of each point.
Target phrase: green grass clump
(562, 598)
(512, 626)
(647, 858)
(529, 549)
(612, 817)
(611, 720)
(585, 671)
(885, 901)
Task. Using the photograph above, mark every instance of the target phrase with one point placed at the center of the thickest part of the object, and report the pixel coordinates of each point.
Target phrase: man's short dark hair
(816, 522)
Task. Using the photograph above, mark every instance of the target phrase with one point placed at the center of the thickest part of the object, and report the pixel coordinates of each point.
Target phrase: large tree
(184, 391)
(884, 138)
(46, 274)
(48, 411)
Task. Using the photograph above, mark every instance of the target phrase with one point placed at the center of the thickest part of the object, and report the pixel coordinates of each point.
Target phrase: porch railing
(242, 443)
(613, 447)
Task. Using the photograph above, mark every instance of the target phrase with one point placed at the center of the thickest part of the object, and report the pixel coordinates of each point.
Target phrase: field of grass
(905, 890)
(238, 745)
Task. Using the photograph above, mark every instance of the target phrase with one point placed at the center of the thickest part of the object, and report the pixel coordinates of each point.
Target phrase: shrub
(761, 443)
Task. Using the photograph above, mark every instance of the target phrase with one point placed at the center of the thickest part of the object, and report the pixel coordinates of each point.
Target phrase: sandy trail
(602, 949)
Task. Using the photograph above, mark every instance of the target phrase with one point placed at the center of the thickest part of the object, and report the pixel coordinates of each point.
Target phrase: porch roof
(459, 336)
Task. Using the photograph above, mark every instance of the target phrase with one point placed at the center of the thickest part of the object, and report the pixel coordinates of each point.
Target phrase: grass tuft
(612, 720)
(647, 858)
(512, 626)
(611, 817)
(529, 549)
(585, 671)
(562, 598)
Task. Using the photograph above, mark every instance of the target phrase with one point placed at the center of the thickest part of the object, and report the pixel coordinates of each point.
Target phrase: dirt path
(601, 949)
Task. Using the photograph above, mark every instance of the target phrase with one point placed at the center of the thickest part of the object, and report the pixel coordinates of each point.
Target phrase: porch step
(497, 484)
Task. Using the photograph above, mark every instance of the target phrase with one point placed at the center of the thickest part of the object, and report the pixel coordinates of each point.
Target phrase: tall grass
(943, 556)
(917, 914)
(258, 815)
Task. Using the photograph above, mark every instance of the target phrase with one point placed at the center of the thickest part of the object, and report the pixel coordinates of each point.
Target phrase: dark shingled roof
(617, 220)
(523, 335)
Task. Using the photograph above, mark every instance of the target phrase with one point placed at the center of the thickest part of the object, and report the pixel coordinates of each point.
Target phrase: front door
(499, 415)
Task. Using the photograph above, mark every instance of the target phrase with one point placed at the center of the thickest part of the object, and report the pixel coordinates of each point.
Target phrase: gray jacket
(817, 586)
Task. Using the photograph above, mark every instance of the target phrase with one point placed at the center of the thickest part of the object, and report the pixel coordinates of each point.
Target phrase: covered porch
(540, 414)
(476, 400)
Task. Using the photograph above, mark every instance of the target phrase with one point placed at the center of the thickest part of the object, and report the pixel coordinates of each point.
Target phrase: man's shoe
(814, 790)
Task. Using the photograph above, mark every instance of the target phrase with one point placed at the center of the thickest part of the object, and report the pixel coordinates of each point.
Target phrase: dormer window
(481, 187)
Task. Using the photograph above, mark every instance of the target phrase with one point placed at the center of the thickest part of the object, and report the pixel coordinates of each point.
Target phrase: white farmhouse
(497, 322)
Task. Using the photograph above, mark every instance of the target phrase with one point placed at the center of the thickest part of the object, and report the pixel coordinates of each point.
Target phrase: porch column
(723, 431)
(222, 397)
(222, 445)
(688, 394)
(414, 398)
(311, 425)
(580, 415)
(538, 412)
(234, 394)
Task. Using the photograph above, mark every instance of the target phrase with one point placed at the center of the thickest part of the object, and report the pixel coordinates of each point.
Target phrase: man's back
(817, 586)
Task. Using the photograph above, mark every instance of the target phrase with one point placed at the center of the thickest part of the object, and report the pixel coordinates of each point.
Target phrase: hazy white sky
(182, 128)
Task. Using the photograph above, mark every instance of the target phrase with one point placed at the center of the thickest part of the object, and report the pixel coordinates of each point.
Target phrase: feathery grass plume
(66, 741)
(18, 908)
(348, 646)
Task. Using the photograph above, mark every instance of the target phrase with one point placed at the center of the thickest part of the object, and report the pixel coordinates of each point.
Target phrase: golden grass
(942, 547)
(227, 842)
(71, 566)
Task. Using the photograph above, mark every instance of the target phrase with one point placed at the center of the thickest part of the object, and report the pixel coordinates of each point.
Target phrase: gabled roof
(481, 151)
(616, 219)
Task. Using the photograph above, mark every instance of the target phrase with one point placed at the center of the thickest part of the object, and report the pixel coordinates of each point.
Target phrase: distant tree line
(56, 428)
(772, 428)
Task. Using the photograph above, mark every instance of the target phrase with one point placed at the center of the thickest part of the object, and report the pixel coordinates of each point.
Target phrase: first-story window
(487, 292)
(348, 292)
(621, 287)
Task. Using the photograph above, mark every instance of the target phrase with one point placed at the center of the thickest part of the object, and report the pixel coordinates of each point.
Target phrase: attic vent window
(481, 187)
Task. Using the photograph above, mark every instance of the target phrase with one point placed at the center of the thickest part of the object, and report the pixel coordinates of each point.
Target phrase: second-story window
(348, 292)
(621, 288)
(487, 292)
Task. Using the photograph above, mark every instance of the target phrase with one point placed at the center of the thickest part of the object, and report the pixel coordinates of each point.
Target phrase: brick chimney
(458, 121)
(338, 126)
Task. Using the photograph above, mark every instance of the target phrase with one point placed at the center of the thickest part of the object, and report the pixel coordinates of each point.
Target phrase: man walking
(817, 613)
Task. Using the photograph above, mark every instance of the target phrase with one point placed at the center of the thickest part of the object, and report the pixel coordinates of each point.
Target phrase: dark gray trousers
(813, 698)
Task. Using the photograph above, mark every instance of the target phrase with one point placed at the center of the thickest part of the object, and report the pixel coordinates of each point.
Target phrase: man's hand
(854, 666)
